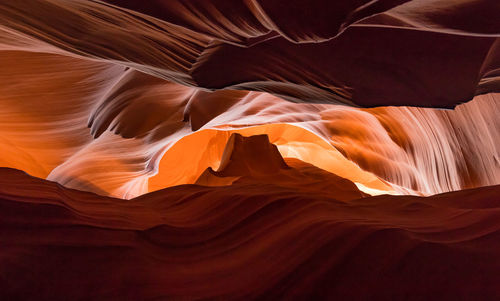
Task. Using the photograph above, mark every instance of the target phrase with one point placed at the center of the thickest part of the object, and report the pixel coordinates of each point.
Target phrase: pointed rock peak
(252, 155)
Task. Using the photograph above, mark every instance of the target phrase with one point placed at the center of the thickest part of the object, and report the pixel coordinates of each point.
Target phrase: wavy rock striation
(245, 241)
(216, 149)
(415, 47)
(140, 74)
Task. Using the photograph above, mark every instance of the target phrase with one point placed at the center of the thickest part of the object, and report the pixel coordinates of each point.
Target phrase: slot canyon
(250, 150)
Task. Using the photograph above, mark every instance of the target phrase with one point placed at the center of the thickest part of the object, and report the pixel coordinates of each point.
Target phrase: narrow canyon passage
(249, 150)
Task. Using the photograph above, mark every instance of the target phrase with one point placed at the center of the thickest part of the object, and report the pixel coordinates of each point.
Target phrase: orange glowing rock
(230, 149)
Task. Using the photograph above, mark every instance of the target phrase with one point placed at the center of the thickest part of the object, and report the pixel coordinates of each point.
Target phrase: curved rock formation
(362, 53)
(69, 62)
(245, 241)
(254, 160)
(136, 120)
(226, 149)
